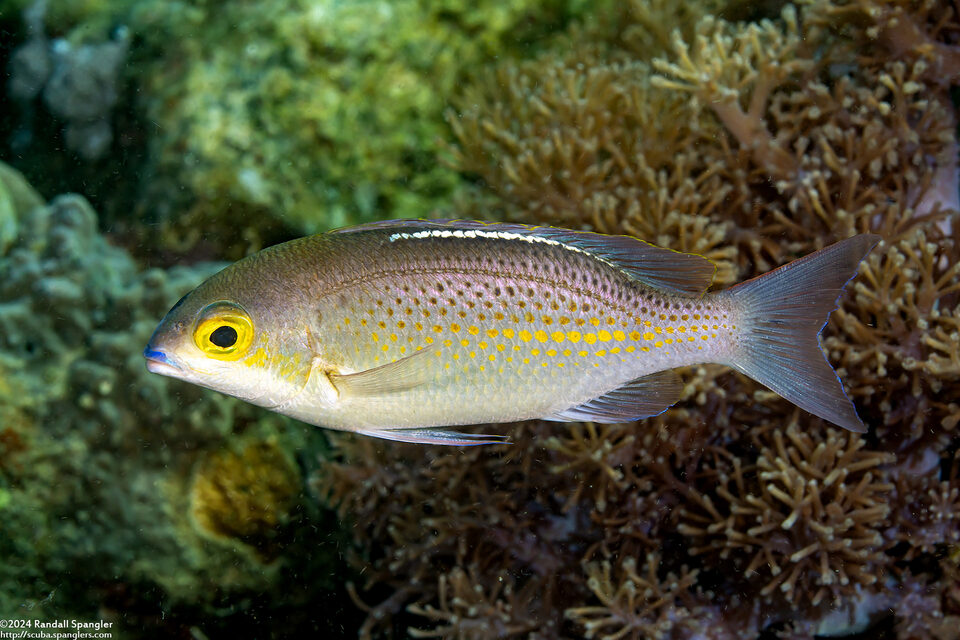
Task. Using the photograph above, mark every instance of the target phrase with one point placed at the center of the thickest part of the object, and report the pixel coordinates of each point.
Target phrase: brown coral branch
(635, 604)
(466, 610)
(807, 516)
(722, 69)
(901, 34)
(752, 133)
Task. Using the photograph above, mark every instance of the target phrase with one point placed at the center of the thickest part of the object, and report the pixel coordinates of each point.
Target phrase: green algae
(325, 113)
(17, 198)
(295, 117)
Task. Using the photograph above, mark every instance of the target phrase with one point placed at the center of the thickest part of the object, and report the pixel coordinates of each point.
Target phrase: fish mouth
(159, 362)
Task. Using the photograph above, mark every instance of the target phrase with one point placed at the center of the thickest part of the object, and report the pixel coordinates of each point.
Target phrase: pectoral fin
(641, 398)
(401, 375)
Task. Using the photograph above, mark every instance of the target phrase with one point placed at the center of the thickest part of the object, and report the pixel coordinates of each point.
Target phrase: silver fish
(401, 329)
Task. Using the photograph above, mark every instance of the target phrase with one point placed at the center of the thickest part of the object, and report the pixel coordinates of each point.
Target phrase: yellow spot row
(562, 320)
(556, 336)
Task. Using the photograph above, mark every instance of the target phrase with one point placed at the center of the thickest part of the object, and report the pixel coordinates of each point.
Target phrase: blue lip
(156, 356)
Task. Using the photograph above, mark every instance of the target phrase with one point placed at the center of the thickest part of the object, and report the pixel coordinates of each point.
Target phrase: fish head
(232, 335)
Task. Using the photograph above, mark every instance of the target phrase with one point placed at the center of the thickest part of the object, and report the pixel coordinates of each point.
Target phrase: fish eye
(224, 331)
(224, 336)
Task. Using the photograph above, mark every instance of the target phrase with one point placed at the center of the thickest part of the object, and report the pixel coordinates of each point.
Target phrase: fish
(405, 329)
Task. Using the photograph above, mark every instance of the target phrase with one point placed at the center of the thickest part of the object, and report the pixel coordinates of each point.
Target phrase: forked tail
(783, 313)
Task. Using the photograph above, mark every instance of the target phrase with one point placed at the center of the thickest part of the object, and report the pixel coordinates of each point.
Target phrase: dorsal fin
(641, 398)
(685, 274)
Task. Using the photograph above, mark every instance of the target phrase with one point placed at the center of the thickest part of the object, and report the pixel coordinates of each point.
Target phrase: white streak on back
(490, 235)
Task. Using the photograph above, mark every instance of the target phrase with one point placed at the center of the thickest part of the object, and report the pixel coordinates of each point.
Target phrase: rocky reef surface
(248, 122)
(123, 495)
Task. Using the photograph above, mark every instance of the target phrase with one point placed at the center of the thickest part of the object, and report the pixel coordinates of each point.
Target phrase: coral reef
(245, 495)
(581, 145)
(16, 198)
(468, 540)
(267, 119)
(806, 513)
(100, 461)
(78, 83)
(749, 133)
(334, 116)
(636, 603)
(732, 515)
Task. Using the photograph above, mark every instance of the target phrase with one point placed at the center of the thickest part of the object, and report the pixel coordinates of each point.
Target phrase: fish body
(401, 329)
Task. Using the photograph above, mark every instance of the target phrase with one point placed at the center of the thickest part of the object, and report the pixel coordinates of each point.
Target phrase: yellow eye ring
(224, 332)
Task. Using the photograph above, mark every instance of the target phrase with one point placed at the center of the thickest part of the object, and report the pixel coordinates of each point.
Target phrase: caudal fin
(784, 312)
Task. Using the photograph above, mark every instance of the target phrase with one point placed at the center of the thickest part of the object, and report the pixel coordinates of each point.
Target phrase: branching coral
(480, 510)
(734, 71)
(635, 602)
(806, 518)
(730, 515)
(753, 144)
(648, 28)
(921, 612)
(839, 149)
(465, 610)
(596, 455)
(898, 342)
(925, 514)
(925, 29)
(582, 146)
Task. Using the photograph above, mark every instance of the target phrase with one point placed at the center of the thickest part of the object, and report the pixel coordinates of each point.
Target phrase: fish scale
(403, 328)
(502, 327)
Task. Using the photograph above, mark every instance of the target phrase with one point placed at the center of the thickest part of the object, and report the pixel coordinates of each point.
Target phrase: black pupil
(224, 336)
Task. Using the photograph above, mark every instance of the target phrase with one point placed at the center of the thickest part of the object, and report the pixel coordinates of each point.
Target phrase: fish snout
(159, 362)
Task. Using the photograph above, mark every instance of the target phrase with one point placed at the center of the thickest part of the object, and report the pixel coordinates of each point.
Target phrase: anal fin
(641, 398)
